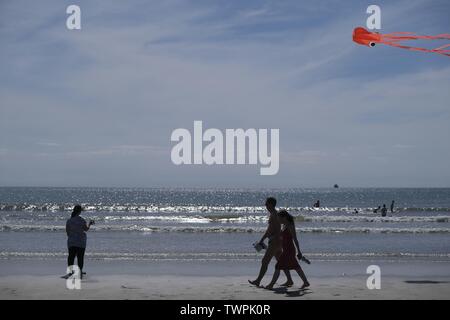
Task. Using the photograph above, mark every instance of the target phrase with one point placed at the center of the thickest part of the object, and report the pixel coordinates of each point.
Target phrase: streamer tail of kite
(395, 39)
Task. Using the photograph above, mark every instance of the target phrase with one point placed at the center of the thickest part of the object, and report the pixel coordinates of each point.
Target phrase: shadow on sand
(425, 282)
(290, 294)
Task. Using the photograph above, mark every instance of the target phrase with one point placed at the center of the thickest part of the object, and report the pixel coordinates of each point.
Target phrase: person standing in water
(273, 232)
(383, 210)
(76, 228)
(288, 260)
(392, 206)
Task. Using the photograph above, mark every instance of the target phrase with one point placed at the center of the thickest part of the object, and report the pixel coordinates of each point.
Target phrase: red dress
(288, 258)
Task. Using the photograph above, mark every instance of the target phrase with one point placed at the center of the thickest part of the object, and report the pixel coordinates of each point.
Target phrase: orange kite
(367, 38)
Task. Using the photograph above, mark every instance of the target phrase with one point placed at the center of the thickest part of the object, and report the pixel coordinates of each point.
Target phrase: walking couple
(282, 238)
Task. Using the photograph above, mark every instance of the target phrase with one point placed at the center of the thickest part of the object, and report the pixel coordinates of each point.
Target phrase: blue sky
(96, 107)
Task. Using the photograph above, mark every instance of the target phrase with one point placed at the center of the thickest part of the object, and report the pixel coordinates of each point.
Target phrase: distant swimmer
(383, 211)
(392, 206)
(317, 204)
(377, 209)
(336, 186)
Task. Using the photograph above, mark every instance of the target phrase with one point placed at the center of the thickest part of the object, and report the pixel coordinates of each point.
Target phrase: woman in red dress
(288, 258)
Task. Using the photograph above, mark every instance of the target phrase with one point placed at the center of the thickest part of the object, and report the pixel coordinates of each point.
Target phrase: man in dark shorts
(273, 232)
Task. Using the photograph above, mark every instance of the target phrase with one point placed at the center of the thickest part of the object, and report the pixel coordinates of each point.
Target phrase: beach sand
(31, 279)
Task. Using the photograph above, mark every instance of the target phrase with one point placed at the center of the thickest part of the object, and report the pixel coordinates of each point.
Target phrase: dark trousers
(76, 252)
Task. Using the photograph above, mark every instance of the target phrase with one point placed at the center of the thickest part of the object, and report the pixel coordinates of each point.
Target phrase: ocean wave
(353, 218)
(373, 219)
(153, 208)
(314, 256)
(149, 208)
(220, 229)
(240, 219)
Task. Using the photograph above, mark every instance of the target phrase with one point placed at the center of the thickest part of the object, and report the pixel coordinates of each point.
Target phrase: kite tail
(444, 46)
(399, 36)
(436, 50)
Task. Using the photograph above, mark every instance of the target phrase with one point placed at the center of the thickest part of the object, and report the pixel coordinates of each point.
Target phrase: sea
(196, 224)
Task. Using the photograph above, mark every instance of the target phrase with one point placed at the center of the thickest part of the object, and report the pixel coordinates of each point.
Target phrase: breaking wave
(313, 256)
(233, 218)
(221, 229)
(151, 208)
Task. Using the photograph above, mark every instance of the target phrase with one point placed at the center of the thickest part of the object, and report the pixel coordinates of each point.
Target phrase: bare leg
(276, 274)
(303, 277)
(289, 281)
(264, 265)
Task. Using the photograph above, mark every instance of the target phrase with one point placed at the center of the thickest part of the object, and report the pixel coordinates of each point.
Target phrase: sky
(97, 106)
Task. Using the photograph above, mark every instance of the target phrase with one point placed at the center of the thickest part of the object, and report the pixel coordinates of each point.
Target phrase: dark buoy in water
(336, 186)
